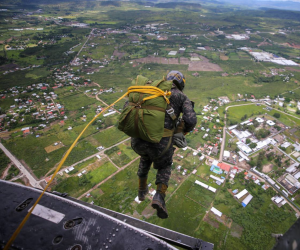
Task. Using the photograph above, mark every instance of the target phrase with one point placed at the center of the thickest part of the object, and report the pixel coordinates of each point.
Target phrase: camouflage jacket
(181, 104)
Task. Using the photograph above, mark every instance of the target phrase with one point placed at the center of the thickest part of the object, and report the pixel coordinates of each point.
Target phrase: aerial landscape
(63, 62)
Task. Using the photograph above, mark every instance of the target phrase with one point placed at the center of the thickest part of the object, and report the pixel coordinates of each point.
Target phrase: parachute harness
(153, 91)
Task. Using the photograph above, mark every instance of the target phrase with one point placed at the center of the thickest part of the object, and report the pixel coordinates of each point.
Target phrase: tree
(253, 145)
(255, 123)
(251, 128)
(276, 115)
(248, 141)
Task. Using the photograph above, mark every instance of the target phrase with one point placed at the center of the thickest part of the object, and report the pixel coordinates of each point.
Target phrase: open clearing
(267, 168)
(51, 148)
(223, 57)
(203, 65)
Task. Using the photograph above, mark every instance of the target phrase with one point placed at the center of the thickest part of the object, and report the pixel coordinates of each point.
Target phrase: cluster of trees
(84, 180)
(262, 133)
(12, 172)
(4, 160)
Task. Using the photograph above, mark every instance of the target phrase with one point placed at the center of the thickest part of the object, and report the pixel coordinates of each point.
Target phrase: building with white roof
(241, 194)
(216, 211)
(212, 189)
(285, 145)
(292, 168)
(241, 134)
(262, 144)
(243, 147)
(247, 200)
(216, 178)
(245, 122)
(297, 147)
(109, 113)
(244, 157)
(297, 176)
(215, 163)
(226, 153)
(260, 120)
(201, 184)
(232, 127)
(278, 199)
(172, 53)
(270, 123)
(292, 180)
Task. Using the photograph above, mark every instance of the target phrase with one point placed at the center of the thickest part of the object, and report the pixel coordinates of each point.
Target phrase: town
(61, 70)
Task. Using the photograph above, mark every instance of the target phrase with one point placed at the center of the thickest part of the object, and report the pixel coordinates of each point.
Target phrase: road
(224, 130)
(33, 182)
(83, 46)
(106, 104)
(286, 154)
(282, 112)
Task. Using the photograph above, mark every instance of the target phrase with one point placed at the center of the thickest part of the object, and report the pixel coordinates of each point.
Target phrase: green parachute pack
(144, 116)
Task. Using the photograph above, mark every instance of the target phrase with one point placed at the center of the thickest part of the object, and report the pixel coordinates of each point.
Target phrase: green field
(75, 186)
(109, 137)
(121, 154)
(200, 195)
(235, 114)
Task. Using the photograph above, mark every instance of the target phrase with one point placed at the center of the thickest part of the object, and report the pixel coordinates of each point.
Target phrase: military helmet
(178, 78)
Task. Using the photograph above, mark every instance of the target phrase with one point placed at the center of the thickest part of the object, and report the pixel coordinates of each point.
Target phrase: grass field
(77, 101)
(75, 186)
(261, 205)
(236, 113)
(122, 154)
(200, 195)
(119, 192)
(109, 137)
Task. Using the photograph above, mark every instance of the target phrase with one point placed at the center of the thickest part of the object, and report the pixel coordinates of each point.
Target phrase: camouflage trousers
(151, 153)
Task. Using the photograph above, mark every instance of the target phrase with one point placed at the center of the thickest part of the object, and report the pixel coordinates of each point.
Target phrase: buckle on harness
(171, 113)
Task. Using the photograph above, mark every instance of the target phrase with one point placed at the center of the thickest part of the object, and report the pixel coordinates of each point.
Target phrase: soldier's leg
(144, 167)
(141, 148)
(142, 173)
(163, 166)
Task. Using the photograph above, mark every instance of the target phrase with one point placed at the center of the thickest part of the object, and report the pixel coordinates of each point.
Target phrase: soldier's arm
(189, 115)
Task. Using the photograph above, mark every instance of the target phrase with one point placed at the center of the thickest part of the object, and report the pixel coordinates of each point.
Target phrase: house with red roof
(26, 132)
(224, 166)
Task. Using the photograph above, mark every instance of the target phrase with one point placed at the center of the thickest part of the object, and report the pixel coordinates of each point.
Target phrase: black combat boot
(143, 188)
(158, 201)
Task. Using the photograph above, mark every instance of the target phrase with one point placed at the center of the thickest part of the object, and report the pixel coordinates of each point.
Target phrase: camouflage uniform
(151, 152)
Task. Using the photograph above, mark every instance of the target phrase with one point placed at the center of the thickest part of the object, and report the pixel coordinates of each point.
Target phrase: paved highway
(33, 182)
